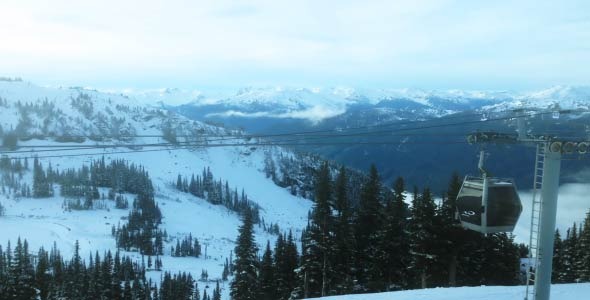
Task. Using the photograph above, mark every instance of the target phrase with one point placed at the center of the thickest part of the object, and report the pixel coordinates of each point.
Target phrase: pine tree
(21, 273)
(453, 236)
(41, 187)
(558, 264)
(570, 255)
(316, 268)
(422, 235)
(367, 229)
(245, 284)
(285, 261)
(127, 291)
(342, 256)
(217, 292)
(267, 276)
(583, 259)
(42, 278)
(179, 183)
(394, 247)
(502, 254)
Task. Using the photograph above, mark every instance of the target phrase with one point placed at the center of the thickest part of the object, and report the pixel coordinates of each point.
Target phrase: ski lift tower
(549, 152)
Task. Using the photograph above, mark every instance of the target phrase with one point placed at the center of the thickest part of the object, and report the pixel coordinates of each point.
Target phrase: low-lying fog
(572, 206)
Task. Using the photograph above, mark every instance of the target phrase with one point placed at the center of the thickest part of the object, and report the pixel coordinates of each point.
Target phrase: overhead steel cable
(298, 139)
(301, 140)
(293, 142)
(384, 125)
(391, 130)
(196, 146)
(397, 129)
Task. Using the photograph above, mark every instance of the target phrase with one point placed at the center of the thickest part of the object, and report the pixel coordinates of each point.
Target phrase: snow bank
(558, 292)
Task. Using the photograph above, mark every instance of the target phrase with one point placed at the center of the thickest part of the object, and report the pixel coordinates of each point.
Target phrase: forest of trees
(47, 275)
(571, 259)
(142, 231)
(83, 183)
(381, 244)
(189, 246)
(217, 193)
(11, 175)
(296, 172)
(360, 238)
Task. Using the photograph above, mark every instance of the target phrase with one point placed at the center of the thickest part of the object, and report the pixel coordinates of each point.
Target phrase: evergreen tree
(583, 259)
(394, 249)
(267, 276)
(179, 183)
(285, 261)
(422, 236)
(316, 268)
(42, 275)
(367, 229)
(127, 295)
(453, 236)
(558, 264)
(41, 186)
(343, 253)
(570, 255)
(196, 295)
(245, 284)
(502, 253)
(217, 292)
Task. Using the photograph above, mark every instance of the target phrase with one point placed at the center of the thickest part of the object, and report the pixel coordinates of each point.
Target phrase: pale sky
(228, 43)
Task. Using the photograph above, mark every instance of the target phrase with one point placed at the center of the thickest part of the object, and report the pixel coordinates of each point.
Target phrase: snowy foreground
(558, 292)
(44, 221)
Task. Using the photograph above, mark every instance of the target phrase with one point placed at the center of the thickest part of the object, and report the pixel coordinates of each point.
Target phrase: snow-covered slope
(163, 96)
(58, 112)
(32, 110)
(558, 292)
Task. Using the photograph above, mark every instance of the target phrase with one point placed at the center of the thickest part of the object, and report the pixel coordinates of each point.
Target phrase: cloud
(427, 43)
(314, 114)
(580, 176)
(572, 206)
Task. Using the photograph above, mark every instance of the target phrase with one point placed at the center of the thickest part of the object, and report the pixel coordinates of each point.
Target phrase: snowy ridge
(557, 97)
(52, 112)
(318, 104)
(31, 110)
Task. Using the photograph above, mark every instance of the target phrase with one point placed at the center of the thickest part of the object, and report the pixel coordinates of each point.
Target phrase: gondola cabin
(488, 206)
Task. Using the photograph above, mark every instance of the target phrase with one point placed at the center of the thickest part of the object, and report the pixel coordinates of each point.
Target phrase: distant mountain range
(316, 105)
(423, 157)
(417, 156)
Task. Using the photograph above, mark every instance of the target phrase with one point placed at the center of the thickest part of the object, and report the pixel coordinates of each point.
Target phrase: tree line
(380, 244)
(571, 259)
(218, 193)
(47, 275)
(118, 175)
(142, 230)
(11, 179)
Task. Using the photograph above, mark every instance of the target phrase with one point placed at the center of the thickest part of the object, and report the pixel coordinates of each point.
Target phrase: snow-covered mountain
(557, 97)
(280, 110)
(52, 124)
(55, 120)
(319, 104)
